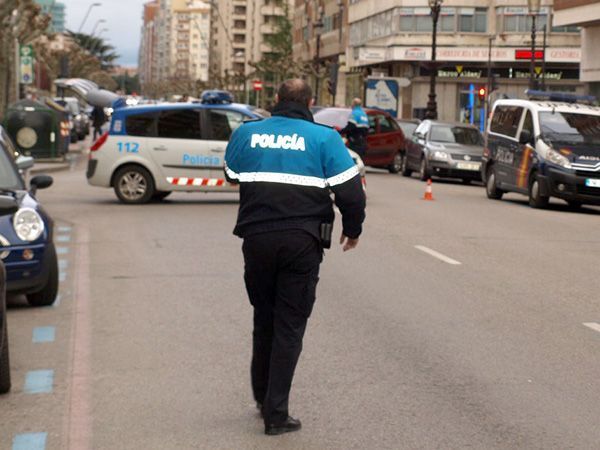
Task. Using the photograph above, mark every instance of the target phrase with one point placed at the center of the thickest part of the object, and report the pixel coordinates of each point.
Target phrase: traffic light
(481, 94)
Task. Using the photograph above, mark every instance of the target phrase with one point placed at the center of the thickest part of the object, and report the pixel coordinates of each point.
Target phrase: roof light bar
(560, 96)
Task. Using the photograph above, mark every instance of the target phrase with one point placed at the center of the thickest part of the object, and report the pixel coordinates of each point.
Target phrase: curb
(49, 168)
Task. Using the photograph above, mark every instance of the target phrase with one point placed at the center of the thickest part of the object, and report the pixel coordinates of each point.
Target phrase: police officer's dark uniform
(286, 167)
(357, 129)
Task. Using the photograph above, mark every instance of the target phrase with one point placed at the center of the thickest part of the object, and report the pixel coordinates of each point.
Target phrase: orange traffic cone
(428, 191)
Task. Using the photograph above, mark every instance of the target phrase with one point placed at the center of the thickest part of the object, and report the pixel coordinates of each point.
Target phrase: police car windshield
(9, 178)
(455, 135)
(573, 128)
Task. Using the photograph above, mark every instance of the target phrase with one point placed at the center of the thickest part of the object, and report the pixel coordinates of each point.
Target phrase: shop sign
(460, 72)
(383, 93)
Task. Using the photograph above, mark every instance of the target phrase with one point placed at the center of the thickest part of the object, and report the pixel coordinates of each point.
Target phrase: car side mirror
(25, 162)
(8, 205)
(525, 137)
(40, 182)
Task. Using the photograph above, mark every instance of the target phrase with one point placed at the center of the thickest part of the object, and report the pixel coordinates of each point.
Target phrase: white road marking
(593, 325)
(438, 255)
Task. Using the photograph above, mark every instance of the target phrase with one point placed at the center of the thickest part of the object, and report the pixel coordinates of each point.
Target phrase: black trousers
(281, 274)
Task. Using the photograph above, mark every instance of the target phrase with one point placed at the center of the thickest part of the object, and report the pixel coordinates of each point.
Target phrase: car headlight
(439, 155)
(28, 224)
(556, 158)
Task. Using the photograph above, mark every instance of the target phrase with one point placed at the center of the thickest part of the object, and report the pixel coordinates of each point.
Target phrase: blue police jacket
(358, 117)
(286, 167)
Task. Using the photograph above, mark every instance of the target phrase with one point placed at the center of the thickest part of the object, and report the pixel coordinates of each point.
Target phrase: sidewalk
(49, 165)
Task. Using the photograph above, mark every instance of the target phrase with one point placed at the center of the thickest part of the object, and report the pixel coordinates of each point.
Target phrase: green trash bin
(40, 130)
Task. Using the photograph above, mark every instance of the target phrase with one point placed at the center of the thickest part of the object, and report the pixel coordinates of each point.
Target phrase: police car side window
(179, 124)
(506, 120)
(528, 122)
(143, 125)
(222, 123)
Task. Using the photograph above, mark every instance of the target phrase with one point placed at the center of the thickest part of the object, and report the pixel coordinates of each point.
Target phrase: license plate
(592, 182)
(468, 166)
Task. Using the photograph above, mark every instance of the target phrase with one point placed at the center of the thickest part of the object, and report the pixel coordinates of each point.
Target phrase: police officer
(286, 167)
(357, 128)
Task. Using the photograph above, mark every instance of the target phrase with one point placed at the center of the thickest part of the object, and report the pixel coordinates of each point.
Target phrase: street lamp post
(435, 6)
(534, 9)
(98, 22)
(318, 27)
(87, 15)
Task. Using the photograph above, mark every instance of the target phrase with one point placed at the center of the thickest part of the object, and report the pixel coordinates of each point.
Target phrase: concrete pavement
(404, 350)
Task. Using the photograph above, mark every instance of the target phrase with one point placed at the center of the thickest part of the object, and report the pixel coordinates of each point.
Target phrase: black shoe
(288, 426)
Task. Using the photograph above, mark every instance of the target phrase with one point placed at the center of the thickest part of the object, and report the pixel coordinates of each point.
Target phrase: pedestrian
(98, 120)
(357, 128)
(286, 167)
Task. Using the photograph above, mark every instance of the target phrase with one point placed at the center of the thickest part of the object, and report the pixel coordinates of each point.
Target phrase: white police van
(548, 146)
(153, 150)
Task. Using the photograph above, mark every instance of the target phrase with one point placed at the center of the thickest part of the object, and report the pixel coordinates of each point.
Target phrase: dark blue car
(26, 245)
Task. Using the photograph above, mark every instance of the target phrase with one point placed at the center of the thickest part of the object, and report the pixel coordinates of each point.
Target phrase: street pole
(318, 26)
(432, 113)
(87, 15)
(544, 60)
(532, 82)
(489, 78)
(340, 23)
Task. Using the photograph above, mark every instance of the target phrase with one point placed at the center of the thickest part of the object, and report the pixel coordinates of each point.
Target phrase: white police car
(153, 150)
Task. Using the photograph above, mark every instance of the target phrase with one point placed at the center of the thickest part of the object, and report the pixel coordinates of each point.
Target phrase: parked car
(80, 120)
(26, 245)
(8, 205)
(544, 148)
(408, 126)
(385, 141)
(443, 149)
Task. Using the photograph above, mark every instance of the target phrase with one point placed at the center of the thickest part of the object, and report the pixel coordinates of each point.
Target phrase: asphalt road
(457, 323)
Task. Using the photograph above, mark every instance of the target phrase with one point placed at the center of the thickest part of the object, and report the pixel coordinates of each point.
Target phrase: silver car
(443, 149)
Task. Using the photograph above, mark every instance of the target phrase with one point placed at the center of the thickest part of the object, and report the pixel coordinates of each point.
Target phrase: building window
(239, 24)
(516, 19)
(239, 38)
(240, 10)
(472, 20)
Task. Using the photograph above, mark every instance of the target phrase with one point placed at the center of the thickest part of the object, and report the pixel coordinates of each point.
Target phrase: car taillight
(99, 142)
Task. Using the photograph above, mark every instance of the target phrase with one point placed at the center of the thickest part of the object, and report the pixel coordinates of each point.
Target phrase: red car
(385, 142)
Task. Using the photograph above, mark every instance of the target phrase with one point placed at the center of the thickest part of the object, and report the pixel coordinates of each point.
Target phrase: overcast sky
(123, 21)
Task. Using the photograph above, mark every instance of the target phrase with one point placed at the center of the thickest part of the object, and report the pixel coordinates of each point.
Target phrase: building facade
(175, 41)
(320, 38)
(240, 29)
(56, 10)
(392, 39)
(586, 14)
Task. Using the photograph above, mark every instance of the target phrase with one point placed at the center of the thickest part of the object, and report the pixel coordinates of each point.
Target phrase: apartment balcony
(267, 28)
(269, 10)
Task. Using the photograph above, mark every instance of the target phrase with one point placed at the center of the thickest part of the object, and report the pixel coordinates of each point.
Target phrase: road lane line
(57, 301)
(79, 428)
(43, 334)
(64, 229)
(30, 441)
(438, 255)
(39, 382)
(63, 264)
(593, 325)
(63, 238)
(62, 250)
(62, 276)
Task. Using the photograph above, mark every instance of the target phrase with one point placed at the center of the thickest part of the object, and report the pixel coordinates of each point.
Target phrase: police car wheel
(406, 171)
(134, 185)
(491, 189)
(396, 164)
(424, 170)
(4, 365)
(536, 200)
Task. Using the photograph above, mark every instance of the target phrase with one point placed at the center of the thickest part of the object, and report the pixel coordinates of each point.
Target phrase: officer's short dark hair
(295, 90)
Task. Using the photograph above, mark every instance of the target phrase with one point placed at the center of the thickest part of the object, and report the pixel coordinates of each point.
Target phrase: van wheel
(47, 295)
(406, 172)
(491, 189)
(396, 164)
(536, 199)
(424, 170)
(134, 185)
(160, 195)
(4, 365)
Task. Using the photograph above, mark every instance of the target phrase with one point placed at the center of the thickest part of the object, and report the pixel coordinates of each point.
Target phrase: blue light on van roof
(216, 97)
(566, 97)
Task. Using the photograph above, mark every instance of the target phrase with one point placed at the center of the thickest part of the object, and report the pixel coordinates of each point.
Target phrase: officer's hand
(348, 243)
